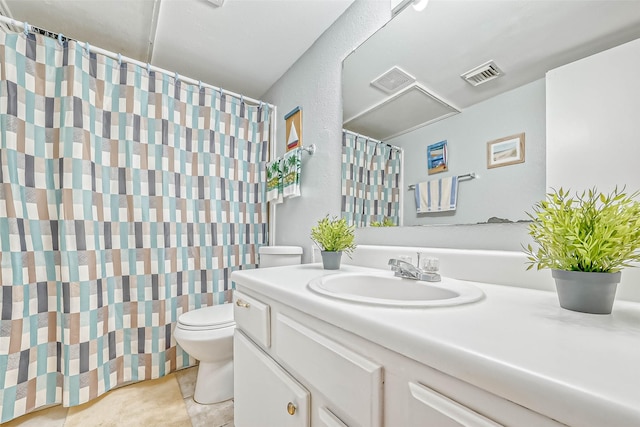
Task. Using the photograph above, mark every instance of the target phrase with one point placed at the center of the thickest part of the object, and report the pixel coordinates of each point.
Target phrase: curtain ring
(260, 106)
(220, 92)
(241, 99)
(61, 39)
(87, 47)
(177, 77)
(199, 84)
(119, 60)
(27, 28)
(148, 68)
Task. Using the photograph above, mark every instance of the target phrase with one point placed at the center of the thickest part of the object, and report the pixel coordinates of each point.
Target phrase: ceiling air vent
(482, 74)
(393, 80)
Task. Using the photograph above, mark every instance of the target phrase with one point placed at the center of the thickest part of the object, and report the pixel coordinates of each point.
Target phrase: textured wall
(314, 83)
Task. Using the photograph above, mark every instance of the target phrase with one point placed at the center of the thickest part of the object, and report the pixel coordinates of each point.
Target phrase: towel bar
(470, 175)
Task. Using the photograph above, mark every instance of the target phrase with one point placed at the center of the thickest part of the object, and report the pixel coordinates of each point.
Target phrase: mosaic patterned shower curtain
(370, 181)
(126, 199)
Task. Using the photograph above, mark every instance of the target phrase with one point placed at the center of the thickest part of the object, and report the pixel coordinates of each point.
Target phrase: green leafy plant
(591, 232)
(334, 235)
(386, 222)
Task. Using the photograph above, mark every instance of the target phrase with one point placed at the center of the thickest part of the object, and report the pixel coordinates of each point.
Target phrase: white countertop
(580, 369)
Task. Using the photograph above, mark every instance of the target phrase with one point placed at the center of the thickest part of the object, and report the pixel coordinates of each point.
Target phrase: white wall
(314, 84)
(593, 121)
(505, 192)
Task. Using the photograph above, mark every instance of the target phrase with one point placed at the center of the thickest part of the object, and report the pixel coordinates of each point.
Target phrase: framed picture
(437, 157)
(293, 128)
(505, 151)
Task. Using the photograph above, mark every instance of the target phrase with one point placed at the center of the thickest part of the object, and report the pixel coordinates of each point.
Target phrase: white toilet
(207, 334)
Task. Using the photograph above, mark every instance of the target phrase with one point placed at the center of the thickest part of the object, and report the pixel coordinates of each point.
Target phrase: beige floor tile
(49, 417)
(147, 403)
(216, 415)
(187, 380)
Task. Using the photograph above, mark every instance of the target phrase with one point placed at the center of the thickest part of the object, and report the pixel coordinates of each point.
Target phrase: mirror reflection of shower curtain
(126, 199)
(370, 181)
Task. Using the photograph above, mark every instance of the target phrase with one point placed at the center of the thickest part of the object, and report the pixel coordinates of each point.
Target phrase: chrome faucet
(407, 270)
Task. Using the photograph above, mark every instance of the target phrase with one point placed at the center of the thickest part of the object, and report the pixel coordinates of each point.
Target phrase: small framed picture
(437, 157)
(293, 128)
(505, 151)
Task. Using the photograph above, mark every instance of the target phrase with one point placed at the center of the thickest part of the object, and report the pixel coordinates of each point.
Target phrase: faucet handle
(430, 265)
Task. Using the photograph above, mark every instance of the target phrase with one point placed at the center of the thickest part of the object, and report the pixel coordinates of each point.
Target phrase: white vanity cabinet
(300, 365)
(330, 378)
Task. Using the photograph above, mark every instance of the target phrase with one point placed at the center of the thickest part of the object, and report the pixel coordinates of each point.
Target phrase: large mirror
(471, 74)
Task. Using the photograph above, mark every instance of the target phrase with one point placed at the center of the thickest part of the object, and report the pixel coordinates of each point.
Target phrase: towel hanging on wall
(291, 168)
(437, 195)
(274, 181)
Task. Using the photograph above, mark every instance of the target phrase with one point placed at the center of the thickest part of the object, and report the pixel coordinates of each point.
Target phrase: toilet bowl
(207, 335)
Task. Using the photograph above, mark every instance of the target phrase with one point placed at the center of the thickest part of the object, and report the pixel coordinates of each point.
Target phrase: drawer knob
(291, 408)
(241, 303)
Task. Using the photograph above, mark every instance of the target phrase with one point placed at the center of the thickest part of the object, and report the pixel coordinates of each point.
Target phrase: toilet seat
(212, 317)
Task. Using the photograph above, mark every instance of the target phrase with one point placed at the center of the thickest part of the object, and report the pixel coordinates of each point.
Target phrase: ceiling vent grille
(482, 74)
(393, 80)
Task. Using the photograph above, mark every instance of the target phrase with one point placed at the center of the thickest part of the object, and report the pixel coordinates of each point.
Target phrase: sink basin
(388, 290)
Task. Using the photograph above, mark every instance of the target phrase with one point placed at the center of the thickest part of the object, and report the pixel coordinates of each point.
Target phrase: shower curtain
(370, 181)
(126, 199)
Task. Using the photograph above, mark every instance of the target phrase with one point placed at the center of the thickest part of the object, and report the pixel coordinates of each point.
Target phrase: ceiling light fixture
(420, 5)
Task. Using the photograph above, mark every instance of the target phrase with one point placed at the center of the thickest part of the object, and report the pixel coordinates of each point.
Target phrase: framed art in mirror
(505, 151)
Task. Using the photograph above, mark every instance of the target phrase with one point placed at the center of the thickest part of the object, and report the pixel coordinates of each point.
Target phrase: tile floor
(167, 401)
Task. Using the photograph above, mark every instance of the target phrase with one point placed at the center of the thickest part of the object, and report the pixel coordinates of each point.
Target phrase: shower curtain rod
(372, 139)
(25, 26)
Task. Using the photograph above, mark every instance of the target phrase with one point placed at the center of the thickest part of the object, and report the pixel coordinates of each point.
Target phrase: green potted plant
(585, 240)
(333, 236)
(386, 222)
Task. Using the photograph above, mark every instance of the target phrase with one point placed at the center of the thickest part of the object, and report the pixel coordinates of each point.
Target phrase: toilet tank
(274, 256)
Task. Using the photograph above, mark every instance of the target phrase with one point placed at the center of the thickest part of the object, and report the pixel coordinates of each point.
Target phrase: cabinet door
(328, 418)
(351, 383)
(428, 408)
(265, 395)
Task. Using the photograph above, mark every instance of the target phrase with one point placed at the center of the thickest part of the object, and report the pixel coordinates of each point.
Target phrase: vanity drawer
(252, 317)
(427, 407)
(350, 383)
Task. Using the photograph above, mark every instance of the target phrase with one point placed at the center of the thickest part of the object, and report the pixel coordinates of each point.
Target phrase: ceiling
(451, 37)
(245, 46)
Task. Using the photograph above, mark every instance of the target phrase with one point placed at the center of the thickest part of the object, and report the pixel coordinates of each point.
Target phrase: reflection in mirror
(371, 177)
(469, 73)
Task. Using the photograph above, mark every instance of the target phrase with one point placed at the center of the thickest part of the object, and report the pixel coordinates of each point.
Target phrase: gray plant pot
(586, 292)
(331, 260)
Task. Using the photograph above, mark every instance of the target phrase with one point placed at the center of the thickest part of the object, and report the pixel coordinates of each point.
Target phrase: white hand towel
(437, 195)
(291, 168)
(274, 181)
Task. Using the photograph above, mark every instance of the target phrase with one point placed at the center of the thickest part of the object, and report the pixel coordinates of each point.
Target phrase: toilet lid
(215, 316)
